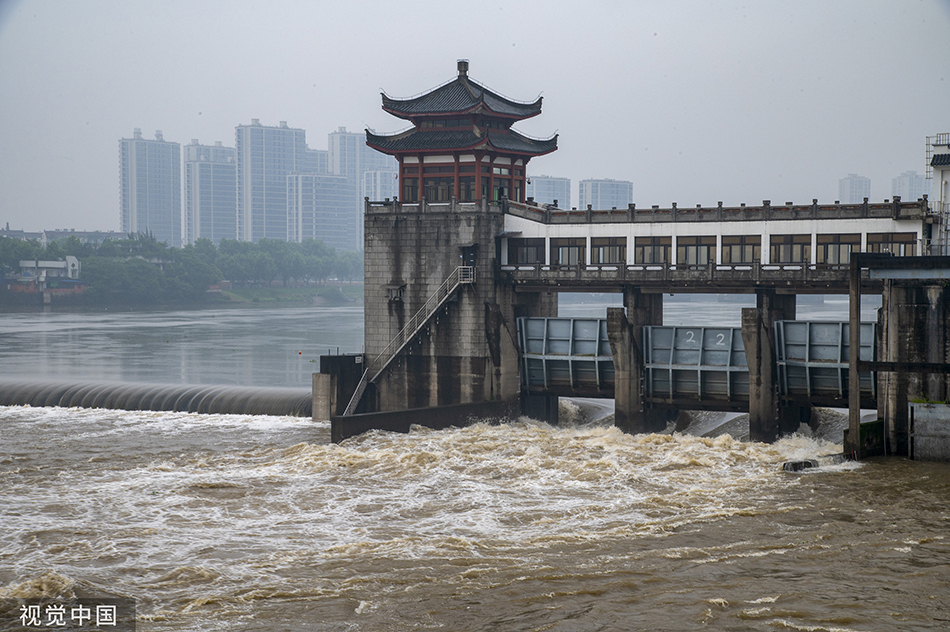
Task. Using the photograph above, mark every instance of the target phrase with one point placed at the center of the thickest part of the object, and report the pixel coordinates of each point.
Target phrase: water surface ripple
(257, 523)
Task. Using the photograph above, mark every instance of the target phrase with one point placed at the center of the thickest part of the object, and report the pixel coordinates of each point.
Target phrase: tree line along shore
(140, 270)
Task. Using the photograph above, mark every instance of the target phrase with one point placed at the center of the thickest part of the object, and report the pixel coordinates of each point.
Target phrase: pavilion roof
(460, 96)
(508, 141)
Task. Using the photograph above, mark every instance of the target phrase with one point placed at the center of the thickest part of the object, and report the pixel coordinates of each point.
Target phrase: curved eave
(528, 146)
(461, 96)
(414, 141)
(478, 108)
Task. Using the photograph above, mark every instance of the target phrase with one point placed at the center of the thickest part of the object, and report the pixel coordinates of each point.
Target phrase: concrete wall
(468, 351)
(915, 327)
(929, 432)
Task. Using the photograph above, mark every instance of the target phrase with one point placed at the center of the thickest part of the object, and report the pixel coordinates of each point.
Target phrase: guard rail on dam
(692, 366)
(238, 400)
(665, 277)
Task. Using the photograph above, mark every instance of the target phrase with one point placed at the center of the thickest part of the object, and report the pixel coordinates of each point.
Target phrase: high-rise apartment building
(351, 158)
(380, 185)
(549, 190)
(210, 191)
(605, 194)
(909, 185)
(853, 189)
(316, 161)
(318, 207)
(265, 157)
(150, 187)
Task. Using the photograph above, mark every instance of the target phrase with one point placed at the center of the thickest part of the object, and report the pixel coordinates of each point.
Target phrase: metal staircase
(461, 275)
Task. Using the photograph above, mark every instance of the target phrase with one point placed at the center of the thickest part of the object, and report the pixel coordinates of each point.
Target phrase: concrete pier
(625, 334)
(767, 419)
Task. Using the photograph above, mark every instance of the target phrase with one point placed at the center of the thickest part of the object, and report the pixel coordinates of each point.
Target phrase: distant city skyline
(270, 185)
(692, 101)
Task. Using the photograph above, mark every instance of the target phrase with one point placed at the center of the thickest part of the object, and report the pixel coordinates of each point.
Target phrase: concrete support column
(766, 420)
(624, 332)
(628, 398)
(642, 309)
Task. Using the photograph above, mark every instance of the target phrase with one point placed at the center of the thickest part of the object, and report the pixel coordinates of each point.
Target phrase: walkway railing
(461, 275)
(723, 275)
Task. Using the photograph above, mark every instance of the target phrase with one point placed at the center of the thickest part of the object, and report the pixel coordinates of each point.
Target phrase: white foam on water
(99, 421)
(192, 521)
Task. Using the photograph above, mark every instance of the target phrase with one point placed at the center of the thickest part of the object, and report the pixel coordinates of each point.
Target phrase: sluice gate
(699, 366)
(813, 359)
(566, 356)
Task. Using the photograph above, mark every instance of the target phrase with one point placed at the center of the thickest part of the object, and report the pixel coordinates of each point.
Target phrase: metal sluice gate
(695, 363)
(566, 356)
(813, 358)
(572, 357)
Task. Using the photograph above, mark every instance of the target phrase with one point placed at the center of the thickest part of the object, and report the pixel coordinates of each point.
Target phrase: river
(214, 522)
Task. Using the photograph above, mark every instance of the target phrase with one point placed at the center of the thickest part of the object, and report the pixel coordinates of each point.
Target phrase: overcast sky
(692, 101)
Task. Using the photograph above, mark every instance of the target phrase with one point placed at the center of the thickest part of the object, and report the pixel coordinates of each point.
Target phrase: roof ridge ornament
(463, 67)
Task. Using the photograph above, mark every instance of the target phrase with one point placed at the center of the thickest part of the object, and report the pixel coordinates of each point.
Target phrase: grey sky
(693, 101)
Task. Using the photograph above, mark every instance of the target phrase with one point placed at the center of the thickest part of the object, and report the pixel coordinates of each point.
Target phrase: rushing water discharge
(223, 522)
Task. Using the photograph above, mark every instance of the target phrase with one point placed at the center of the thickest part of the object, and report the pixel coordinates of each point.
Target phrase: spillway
(238, 400)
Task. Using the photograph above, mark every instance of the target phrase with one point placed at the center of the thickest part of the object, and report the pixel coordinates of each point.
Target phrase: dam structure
(463, 259)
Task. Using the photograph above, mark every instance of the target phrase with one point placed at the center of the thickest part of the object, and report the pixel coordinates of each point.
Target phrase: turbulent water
(215, 522)
(225, 522)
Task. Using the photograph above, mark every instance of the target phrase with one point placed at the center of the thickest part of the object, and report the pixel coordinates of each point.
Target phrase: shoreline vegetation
(140, 272)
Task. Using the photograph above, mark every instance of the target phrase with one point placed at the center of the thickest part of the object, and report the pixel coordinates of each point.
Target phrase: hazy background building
(380, 185)
(210, 192)
(549, 189)
(319, 207)
(150, 187)
(605, 194)
(909, 185)
(316, 161)
(853, 189)
(265, 157)
(351, 158)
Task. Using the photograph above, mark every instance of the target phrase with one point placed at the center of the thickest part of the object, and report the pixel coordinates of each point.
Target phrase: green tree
(349, 266)
(115, 281)
(73, 246)
(13, 251)
(262, 267)
(187, 277)
(234, 259)
(204, 249)
(279, 252)
(53, 252)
